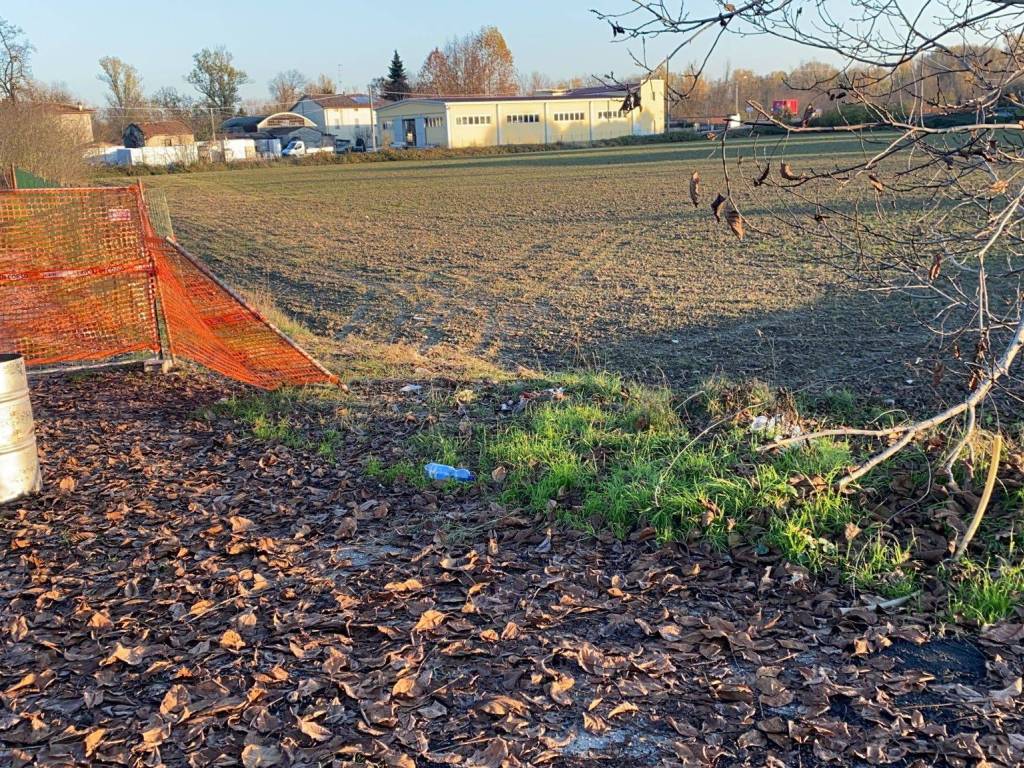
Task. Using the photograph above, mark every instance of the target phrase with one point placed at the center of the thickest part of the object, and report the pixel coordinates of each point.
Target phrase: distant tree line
(940, 80)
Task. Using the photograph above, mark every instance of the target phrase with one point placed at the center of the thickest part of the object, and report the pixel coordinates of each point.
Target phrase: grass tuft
(986, 594)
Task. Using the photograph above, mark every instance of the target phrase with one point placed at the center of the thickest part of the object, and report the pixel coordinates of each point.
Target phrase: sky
(560, 38)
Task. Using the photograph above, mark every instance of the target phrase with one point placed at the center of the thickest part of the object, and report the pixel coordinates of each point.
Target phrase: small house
(162, 133)
(74, 120)
(346, 116)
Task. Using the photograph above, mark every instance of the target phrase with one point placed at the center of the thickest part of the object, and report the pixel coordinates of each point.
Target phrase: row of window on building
(473, 120)
(561, 117)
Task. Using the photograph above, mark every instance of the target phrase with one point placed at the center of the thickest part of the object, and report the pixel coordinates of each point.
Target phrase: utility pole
(373, 118)
(668, 90)
(213, 129)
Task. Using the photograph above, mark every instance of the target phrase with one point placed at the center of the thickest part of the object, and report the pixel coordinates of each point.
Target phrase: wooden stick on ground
(990, 483)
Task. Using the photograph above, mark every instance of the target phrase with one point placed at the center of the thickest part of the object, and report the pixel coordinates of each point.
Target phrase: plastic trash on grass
(448, 472)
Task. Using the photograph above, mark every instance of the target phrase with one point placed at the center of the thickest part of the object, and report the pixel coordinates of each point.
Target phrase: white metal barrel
(19, 460)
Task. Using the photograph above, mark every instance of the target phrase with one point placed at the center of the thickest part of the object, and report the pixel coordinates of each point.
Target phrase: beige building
(568, 116)
(161, 133)
(74, 119)
(344, 116)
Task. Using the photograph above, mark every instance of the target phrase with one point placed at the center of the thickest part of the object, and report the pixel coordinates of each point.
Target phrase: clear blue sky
(558, 37)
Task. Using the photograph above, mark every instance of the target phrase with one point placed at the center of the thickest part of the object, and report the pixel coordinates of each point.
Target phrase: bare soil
(562, 259)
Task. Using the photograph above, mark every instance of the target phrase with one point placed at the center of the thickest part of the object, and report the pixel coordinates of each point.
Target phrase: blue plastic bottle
(446, 472)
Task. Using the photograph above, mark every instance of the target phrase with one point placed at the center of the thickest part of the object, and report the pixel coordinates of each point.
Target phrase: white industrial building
(344, 116)
(575, 115)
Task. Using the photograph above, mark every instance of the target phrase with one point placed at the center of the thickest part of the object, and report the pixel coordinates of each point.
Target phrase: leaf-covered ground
(183, 593)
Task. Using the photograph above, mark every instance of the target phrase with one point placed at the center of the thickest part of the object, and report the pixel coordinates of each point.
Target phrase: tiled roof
(345, 100)
(164, 128)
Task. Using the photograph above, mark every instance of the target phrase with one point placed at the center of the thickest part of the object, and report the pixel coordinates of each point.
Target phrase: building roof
(163, 128)
(344, 100)
(61, 108)
(566, 94)
(242, 123)
(258, 123)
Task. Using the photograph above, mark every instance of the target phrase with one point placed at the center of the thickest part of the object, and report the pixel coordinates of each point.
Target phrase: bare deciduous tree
(932, 209)
(286, 87)
(15, 55)
(123, 83)
(324, 84)
(125, 97)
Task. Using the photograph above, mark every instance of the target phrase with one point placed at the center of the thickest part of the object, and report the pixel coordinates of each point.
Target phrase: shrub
(33, 139)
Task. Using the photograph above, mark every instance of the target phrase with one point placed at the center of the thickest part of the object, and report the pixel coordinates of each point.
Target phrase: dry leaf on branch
(716, 206)
(695, 188)
(764, 175)
(786, 171)
(735, 221)
(876, 183)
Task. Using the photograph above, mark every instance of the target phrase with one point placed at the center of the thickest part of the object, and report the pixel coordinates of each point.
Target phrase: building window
(473, 120)
(523, 118)
(613, 115)
(434, 122)
(567, 117)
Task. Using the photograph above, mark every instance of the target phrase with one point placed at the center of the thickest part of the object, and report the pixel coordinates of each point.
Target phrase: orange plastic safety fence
(76, 283)
(207, 323)
(83, 278)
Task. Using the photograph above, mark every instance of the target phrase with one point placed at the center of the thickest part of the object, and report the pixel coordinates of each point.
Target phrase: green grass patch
(986, 593)
(310, 419)
(604, 453)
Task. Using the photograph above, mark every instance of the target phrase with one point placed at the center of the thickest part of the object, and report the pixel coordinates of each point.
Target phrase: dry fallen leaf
(93, 739)
(623, 708)
(409, 585)
(503, 705)
(559, 688)
(429, 620)
(258, 756)
(132, 655)
(232, 640)
(314, 730)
